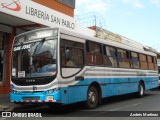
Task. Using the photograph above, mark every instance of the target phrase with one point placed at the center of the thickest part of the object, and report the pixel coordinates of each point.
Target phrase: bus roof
(107, 42)
(95, 39)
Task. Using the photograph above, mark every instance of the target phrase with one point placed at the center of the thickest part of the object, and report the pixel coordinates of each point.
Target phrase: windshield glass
(34, 59)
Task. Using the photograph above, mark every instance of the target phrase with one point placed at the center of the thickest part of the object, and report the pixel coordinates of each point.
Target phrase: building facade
(20, 16)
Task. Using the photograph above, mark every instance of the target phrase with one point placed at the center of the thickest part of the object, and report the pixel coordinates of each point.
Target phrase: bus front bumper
(35, 97)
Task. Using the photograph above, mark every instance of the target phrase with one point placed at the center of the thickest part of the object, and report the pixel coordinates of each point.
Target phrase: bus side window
(159, 69)
(94, 53)
(110, 59)
(63, 59)
(98, 54)
(89, 54)
(155, 63)
(150, 63)
(143, 61)
(123, 58)
(72, 54)
(134, 60)
(106, 59)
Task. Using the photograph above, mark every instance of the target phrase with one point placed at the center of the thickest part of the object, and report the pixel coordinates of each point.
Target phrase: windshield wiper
(38, 47)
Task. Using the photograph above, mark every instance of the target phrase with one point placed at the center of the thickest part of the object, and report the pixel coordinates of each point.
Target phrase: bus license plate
(49, 97)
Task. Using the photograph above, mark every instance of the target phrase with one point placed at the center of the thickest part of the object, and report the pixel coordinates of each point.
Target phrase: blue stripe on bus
(113, 86)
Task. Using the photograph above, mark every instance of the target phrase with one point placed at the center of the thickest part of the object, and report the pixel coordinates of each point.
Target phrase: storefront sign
(31, 11)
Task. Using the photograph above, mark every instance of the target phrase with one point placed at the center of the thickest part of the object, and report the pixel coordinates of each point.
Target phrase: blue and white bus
(55, 66)
(158, 63)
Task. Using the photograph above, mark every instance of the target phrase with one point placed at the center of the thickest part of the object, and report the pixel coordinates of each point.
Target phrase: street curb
(4, 108)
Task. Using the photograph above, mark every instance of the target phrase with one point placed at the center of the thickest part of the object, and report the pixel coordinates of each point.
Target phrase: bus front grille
(31, 98)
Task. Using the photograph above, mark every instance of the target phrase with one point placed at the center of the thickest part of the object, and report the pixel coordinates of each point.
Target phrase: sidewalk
(5, 104)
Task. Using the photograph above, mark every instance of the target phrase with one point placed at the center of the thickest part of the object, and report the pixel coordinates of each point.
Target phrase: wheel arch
(142, 82)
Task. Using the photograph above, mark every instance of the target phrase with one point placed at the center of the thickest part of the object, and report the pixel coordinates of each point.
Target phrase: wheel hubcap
(92, 97)
(141, 90)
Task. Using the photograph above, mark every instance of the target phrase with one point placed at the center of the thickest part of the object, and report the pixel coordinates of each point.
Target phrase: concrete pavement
(5, 103)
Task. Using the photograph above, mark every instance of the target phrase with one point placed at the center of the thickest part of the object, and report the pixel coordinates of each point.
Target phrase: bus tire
(92, 98)
(141, 90)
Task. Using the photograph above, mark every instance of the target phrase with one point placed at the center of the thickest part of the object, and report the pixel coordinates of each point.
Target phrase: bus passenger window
(90, 53)
(94, 53)
(63, 61)
(98, 55)
(134, 60)
(159, 70)
(155, 63)
(123, 58)
(150, 62)
(110, 58)
(71, 56)
(143, 61)
(75, 59)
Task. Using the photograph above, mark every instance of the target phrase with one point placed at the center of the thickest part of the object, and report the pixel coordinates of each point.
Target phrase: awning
(9, 21)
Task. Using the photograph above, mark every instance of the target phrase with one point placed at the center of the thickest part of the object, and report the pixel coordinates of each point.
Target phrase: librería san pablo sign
(49, 17)
(31, 11)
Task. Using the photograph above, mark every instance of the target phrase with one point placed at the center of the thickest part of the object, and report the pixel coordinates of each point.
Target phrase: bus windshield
(34, 59)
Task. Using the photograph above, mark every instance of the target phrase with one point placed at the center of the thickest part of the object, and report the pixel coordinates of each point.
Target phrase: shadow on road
(126, 97)
(67, 110)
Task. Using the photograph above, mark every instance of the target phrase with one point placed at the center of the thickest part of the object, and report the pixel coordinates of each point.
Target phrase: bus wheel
(92, 97)
(140, 90)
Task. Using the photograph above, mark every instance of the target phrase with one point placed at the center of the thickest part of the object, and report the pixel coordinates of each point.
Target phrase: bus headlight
(15, 92)
(50, 91)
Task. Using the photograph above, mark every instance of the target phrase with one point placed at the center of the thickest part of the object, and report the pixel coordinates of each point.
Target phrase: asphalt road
(126, 107)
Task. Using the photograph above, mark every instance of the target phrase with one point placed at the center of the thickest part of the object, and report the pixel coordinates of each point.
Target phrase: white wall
(85, 31)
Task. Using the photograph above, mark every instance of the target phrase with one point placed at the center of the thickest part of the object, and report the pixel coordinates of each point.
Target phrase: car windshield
(35, 59)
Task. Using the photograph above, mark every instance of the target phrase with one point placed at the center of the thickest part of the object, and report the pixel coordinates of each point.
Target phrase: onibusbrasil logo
(13, 5)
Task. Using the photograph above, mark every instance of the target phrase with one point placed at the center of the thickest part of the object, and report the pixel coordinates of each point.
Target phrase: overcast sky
(138, 20)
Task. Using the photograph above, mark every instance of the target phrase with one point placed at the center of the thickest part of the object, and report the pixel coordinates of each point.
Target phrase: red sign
(17, 6)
